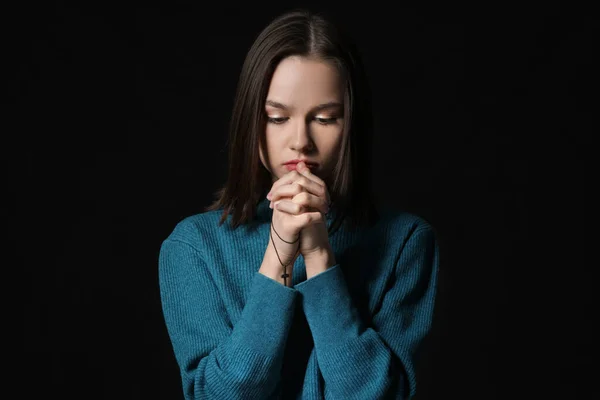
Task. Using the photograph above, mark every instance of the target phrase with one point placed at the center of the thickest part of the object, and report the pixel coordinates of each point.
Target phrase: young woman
(307, 291)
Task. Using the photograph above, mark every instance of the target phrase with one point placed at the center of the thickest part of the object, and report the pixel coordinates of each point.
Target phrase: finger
(312, 202)
(289, 207)
(308, 201)
(312, 218)
(312, 182)
(308, 214)
(301, 170)
(305, 171)
(285, 191)
(285, 180)
(298, 193)
(299, 185)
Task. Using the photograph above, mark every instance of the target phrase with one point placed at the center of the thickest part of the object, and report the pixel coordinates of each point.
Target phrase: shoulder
(414, 239)
(405, 224)
(406, 231)
(195, 229)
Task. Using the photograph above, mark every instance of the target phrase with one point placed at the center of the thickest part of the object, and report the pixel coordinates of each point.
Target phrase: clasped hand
(300, 192)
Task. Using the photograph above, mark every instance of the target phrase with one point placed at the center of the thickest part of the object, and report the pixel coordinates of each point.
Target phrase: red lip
(296, 161)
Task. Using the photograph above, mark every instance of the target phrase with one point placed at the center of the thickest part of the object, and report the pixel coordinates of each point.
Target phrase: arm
(216, 360)
(377, 361)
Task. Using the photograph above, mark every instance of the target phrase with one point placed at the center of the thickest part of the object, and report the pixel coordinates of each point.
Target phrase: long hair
(301, 33)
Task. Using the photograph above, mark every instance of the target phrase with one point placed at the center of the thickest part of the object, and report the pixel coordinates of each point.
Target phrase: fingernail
(269, 196)
(271, 205)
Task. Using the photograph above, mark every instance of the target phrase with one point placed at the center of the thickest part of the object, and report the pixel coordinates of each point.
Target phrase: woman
(248, 317)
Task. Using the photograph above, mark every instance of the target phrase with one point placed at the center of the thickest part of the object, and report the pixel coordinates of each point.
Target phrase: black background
(483, 118)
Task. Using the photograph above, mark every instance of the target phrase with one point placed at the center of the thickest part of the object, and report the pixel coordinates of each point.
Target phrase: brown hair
(303, 33)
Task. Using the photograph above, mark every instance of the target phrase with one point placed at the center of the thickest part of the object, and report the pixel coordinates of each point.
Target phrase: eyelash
(281, 120)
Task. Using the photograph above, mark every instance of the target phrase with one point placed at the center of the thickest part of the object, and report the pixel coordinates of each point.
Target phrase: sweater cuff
(267, 316)
(329, 310)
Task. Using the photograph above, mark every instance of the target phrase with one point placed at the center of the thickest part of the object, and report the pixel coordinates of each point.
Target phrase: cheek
(271, 132)
(330, 140)
(272, 136)
(270, 147)
(338, 142)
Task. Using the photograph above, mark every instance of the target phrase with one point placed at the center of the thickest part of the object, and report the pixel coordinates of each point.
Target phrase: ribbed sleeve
(218, 360)
(375, 361)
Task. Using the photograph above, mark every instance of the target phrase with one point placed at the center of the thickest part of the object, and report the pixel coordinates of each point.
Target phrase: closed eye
(276, 120)
(322, 121)
(326, 121)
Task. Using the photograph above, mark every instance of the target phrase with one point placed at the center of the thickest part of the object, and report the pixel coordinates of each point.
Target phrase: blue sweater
(351, 332)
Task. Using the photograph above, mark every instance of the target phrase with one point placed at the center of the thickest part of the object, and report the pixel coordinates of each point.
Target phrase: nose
(302, 140)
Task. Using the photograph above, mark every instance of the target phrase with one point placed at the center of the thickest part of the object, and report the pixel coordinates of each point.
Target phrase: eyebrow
(330, 104)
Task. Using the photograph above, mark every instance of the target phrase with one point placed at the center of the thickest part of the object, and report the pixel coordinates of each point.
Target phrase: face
(305, 119)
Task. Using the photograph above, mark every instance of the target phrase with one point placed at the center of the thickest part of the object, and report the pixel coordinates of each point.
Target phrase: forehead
(303, 82)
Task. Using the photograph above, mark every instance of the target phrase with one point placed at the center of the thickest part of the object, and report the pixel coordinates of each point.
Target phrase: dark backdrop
(483, 118)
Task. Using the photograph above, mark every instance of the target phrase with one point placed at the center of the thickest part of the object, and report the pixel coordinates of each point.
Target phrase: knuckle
(304, 197)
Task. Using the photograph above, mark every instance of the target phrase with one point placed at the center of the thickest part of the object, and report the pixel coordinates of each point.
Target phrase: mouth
(292, 166)
(297, 160)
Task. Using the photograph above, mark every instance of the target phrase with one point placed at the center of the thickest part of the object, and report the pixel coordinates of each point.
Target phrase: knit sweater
(350, 332)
